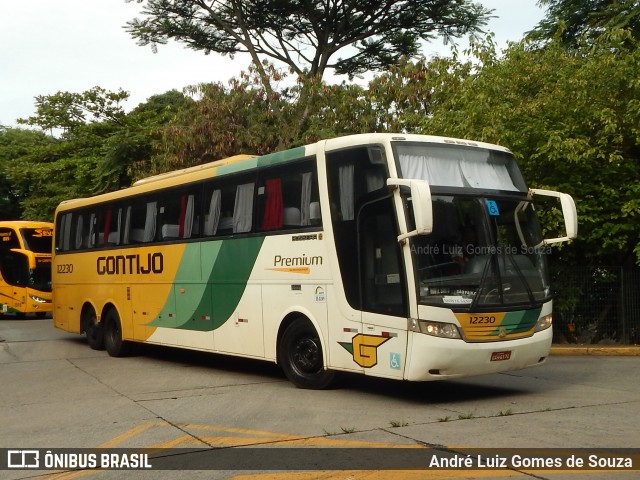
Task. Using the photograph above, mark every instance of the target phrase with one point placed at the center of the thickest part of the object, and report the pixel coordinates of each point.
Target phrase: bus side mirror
(568, 211)
(420, 203)
(30, 259)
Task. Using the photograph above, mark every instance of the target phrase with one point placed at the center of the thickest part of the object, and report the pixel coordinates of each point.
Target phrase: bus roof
(239, 163)
(367, 138)
(195, 169)
(25, 224)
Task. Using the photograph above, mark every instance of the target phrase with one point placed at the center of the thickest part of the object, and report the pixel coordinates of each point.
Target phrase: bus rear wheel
(301, 357)
(113, 342)
(94, 332)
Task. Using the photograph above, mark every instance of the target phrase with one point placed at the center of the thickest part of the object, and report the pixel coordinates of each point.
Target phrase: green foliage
(306, 36)
(573, 21)
(239, 118)
(224, 121)
(14, 144)
(96, 153)
(572, 120)
(129, 148)
(404, 96)
(56, 171)
(67, 110)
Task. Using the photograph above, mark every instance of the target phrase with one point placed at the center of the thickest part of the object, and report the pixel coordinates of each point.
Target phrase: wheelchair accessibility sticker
(492, 208)
(394, 361)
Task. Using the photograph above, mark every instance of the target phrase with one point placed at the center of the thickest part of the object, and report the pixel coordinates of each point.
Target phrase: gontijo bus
(25, 267)
(400, 256)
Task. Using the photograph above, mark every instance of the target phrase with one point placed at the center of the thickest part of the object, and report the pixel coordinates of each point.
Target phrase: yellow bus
(25, 267)
(400, 256)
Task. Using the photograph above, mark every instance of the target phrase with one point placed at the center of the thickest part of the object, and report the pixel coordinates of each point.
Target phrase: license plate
(499, 356)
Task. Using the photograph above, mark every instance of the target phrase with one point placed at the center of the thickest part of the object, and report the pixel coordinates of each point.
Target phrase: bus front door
(383, 290)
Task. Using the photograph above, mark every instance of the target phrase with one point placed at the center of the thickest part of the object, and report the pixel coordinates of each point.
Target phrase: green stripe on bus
(230, 275)
(263, 161)
(226, 266)
(281, 157)
(518, 322)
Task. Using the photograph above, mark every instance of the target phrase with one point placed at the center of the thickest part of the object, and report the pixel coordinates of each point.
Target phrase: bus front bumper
(432, 358)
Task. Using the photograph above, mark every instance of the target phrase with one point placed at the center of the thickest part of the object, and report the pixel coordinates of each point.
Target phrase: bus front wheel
(301, 357)
(113, 342)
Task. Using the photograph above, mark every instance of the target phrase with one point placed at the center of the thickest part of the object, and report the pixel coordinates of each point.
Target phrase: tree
(308, 32)
(15, 143)
(573, 20)
(306, 36)
(68, 110)
(572, 120)
(97, 151)
(403, 96)
(66, 168)
(130, 147)
(58, 171)
(236, 117)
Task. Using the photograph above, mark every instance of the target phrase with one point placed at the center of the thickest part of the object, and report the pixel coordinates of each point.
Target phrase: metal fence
(596, 305)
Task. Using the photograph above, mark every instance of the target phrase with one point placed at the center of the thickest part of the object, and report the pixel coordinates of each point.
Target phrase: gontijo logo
(364, 349)
(130, 264)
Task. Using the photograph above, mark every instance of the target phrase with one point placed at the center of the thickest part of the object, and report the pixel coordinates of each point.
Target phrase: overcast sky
(47, 46)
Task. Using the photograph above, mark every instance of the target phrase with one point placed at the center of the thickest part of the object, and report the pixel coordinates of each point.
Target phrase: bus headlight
(38, 299)
(544, 323)
(435, 329)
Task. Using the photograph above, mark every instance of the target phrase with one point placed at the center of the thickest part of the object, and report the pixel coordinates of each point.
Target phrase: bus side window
(213, 208)
(109, 227)
(92, 230)
(63, 235)
(243, 208)
(229, 209)
(289, 199)
(273, 209)
(140, 222)
(80, 231)
(218, 207)
(59, 241)
(178, 215)
(9, 238)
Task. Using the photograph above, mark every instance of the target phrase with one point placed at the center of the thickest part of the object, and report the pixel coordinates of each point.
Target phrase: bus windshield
(38, 240)
(444, 165)
(15, 271)
(483, 252)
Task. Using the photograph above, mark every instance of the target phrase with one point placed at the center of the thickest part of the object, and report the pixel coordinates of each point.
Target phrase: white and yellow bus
(400, 256)
(25, 267)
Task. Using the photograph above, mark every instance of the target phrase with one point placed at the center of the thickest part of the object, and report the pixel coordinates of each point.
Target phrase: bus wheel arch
(300, 353)
(114, 342)
(91, 327)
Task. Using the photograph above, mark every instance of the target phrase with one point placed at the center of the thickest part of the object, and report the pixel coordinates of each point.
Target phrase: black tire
(301, 359)
(113, 342)
(94, 331)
